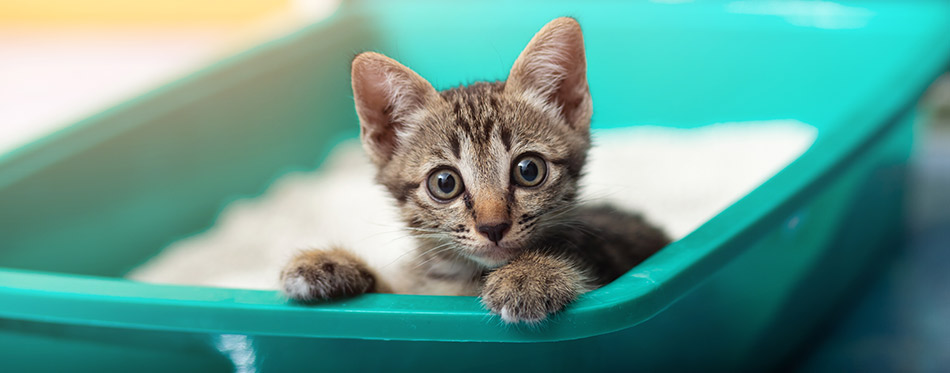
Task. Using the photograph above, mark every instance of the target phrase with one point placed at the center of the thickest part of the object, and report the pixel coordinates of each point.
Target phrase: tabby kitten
(486, 177)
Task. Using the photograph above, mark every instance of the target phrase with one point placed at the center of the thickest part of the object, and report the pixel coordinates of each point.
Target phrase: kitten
(486, 177)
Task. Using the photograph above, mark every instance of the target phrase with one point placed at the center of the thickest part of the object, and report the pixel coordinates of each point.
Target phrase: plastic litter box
(747, 289)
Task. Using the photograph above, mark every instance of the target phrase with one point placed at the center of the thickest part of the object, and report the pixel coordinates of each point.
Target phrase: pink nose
(494, 232)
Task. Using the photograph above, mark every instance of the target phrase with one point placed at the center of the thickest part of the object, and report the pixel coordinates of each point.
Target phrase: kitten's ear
(552, 70)
(386, 94)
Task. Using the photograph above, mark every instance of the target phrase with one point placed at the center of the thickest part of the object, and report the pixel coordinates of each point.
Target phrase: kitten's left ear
(552, 70)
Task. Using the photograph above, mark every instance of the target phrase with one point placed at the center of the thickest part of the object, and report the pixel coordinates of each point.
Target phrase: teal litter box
(81, 207)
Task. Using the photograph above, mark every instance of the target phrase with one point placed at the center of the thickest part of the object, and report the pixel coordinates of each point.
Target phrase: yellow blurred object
(149, 11)
(63, 60)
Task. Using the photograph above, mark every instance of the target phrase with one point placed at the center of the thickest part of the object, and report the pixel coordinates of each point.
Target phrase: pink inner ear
(370, 94)
(373, 107)
(554, 67)
(385, 92)
(573, 90)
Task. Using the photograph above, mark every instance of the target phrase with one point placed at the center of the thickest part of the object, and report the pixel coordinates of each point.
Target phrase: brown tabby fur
(555, 248)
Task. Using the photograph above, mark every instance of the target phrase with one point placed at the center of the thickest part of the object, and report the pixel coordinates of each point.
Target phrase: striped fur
(551, 248)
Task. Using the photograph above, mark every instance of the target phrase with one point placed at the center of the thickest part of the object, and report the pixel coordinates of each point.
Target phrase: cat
(486, 178)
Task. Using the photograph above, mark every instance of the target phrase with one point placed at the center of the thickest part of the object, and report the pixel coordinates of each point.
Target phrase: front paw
(329, 274)
(530, 289)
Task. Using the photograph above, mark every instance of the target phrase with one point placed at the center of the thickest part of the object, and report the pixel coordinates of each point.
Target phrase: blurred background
(62, 61)
(899, 323)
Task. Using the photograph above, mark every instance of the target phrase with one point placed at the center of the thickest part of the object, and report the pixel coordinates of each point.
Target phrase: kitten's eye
(444, 184)
(529, 170)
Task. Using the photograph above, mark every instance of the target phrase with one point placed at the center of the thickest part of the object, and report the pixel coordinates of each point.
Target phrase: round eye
(529, 170)
(444, 184)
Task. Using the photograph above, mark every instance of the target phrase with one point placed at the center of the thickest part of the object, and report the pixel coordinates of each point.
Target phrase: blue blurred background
(899, 322)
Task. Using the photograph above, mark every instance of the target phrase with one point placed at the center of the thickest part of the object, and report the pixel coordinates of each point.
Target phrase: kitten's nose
(494, 232)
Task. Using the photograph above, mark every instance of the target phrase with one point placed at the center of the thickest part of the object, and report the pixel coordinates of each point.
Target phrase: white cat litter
(678, 178)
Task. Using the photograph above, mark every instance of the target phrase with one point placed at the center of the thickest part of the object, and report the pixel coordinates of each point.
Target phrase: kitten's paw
(531, 288)
(330, 274)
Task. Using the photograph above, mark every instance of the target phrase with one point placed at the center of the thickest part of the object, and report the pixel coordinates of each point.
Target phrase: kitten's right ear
(386, 94)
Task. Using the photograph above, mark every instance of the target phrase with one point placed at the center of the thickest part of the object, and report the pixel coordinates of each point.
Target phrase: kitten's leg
(533, 286)
(328, 274)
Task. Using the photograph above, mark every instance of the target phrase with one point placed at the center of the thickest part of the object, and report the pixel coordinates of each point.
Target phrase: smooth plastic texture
(81, 207)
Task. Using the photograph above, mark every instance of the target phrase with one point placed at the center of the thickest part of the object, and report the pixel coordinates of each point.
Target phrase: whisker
(436, 237)
(447, 247)
(415, 252)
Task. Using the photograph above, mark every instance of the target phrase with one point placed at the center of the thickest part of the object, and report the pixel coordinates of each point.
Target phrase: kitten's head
(489, 168)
